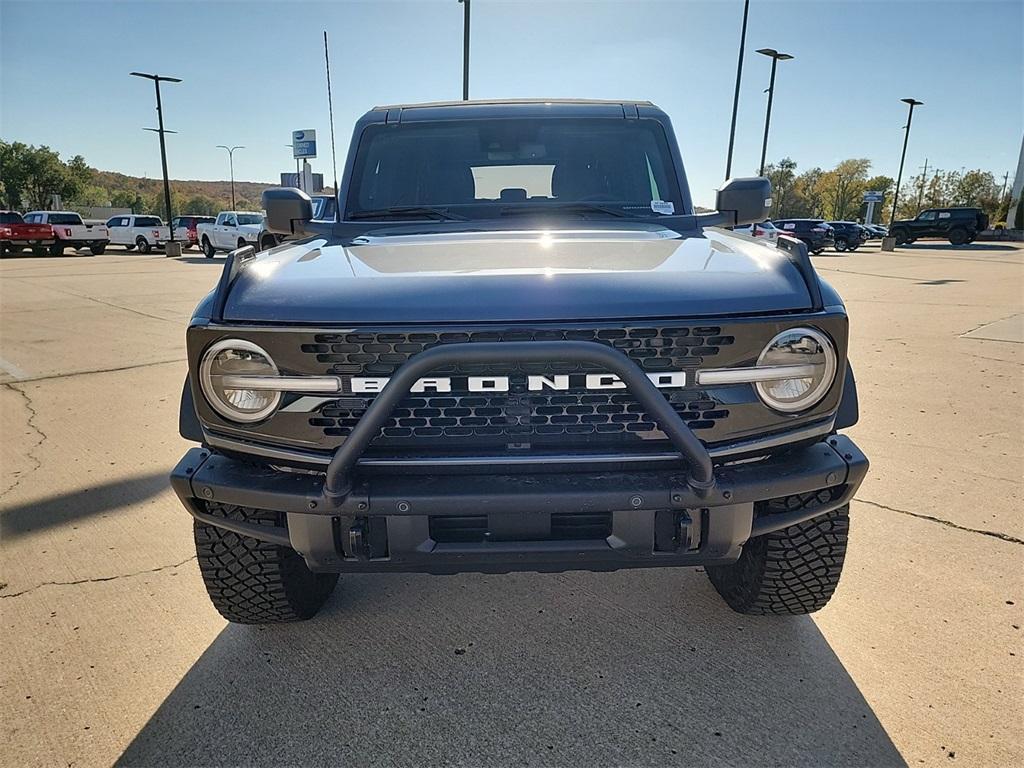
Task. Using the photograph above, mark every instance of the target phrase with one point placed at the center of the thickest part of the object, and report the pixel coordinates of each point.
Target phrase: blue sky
(253, 72)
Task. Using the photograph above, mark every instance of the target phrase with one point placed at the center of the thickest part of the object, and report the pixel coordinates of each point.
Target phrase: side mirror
(746, 201)
(288, 210)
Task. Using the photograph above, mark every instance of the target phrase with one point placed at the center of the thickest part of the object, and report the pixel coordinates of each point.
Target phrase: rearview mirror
(288, 210)
(746, 201)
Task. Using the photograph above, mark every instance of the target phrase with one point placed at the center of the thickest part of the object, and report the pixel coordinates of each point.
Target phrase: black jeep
(959, 225)
(516, 347)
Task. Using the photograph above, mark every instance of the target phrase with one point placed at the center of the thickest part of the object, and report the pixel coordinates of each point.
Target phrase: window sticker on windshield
(944, 215)
(660, 206)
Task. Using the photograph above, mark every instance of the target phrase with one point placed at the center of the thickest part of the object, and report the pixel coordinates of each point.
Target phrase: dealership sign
(303, 144)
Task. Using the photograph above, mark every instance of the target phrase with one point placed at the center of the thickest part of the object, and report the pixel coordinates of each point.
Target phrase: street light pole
(776, 57)
(163, 149)
(465, 50)
(231, 165)
(736, 94)
(906, 137)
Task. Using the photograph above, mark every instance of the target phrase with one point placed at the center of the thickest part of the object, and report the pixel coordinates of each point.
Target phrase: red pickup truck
(16, 235)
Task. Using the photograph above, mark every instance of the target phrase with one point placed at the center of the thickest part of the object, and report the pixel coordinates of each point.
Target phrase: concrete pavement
(113, 654)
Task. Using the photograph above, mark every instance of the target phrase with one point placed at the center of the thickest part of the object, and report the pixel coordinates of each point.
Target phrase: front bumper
(393, 522)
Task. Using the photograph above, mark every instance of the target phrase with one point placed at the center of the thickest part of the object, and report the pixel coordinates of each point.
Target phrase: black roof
(485, 108)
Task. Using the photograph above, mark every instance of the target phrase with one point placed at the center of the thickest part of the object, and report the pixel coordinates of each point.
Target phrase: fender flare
(188, 420)
(849, 410)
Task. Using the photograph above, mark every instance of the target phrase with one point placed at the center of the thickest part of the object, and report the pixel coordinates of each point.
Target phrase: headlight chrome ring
(243, 406)
(796, 346)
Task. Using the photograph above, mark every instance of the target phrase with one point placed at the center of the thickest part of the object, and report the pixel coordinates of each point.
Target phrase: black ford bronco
(959, 225)
(517, 347)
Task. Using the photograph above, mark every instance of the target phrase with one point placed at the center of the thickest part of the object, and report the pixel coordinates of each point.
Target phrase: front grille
(653, 348)
(519, 415)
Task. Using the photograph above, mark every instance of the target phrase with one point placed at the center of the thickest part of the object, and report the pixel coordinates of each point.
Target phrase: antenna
(330, 107)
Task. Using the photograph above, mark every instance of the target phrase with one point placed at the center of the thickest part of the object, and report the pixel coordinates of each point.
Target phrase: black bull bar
(339, 479)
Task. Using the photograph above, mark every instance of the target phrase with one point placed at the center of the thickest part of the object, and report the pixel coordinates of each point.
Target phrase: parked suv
(185, 227)
(815, 233)
(958, 225)
(848, 235)
(518, 348)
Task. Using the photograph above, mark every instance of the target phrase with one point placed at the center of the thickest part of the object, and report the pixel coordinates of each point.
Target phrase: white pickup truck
(231, 230)
(142, 232)
(70, 230)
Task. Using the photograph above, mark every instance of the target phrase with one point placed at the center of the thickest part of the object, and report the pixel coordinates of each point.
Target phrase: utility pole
(1006, 178)
(924, 180)
(231, 163)
(465, 50)
(776, 57)
(736, 94)
(163, 149)
(906, 137)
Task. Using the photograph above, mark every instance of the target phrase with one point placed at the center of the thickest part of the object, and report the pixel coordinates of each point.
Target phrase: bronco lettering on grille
(558, 382)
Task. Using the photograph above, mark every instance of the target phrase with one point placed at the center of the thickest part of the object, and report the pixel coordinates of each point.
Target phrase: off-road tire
(901, 236)
(208, 250)
(958, 236)
(788, 572)
(256, 582)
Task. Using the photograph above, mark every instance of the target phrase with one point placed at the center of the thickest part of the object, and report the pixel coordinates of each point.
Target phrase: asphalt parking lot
(113, 654)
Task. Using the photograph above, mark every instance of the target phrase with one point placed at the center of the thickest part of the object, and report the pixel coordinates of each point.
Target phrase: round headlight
(231, 358)
(810, 356)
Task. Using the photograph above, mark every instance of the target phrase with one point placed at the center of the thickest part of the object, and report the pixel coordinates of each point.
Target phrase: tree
(201, 205)
(781, 177)
(33, 175)
(842, 189)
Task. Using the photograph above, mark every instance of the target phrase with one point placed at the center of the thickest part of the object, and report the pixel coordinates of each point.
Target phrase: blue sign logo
(303, 144)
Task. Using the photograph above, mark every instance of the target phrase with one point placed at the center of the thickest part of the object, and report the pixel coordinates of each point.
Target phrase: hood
(640, 271)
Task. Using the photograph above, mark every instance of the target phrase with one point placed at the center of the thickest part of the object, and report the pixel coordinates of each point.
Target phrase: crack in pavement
(110, 304)
(30, 451)
(98, 579)
(98, 370)
(947, 523)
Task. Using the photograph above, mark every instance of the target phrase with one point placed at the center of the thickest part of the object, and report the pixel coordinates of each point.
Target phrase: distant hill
(183, 190)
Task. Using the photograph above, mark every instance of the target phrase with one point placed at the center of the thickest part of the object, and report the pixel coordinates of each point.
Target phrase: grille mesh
(519, 414)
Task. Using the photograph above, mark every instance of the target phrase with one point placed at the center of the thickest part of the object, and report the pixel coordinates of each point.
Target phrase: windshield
(10, 217)
(65, 218)
(250, 218)
(485, 168)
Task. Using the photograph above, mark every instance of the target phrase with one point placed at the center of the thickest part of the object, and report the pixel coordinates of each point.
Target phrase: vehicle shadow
(200, 260)
(64, 508)
(630, 668)
(946, 246)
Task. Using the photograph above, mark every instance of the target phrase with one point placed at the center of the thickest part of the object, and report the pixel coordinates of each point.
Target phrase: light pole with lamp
(231, 165)
(157, 79)
(906, 137)
(776, 57)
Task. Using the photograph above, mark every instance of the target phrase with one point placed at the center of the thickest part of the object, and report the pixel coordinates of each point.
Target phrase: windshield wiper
(408, 210)
(535, 208)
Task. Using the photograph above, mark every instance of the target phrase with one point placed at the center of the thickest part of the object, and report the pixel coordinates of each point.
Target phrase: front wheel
(208, 249)
(256, 582)
(792, 571)
(267, 242)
